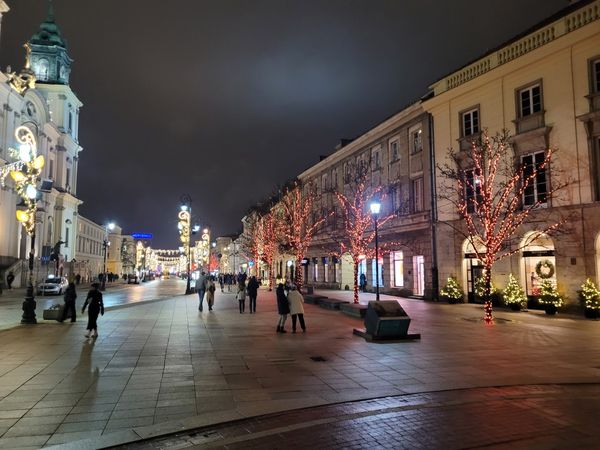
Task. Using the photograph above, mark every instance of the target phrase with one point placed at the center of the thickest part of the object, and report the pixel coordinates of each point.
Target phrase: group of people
(289, 301)
(251, 291)
(230, 280)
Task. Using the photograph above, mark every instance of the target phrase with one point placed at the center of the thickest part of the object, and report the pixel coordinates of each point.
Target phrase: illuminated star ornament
(24, 172)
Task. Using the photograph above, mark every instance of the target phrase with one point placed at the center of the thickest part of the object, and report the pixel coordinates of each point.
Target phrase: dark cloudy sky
(225, 99)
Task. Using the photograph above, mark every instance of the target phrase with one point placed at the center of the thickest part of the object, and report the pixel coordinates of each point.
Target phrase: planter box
(354, 310)
(331, 303)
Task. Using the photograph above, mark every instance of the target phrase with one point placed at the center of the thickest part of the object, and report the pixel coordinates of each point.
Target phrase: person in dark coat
(253, 293)
(283, 308)
(70, 309)
(94, 298)
(363, 282)
(9, 279)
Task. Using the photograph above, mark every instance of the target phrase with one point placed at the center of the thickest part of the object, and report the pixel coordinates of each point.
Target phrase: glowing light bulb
(38, 162)
(17, 176)
(31, 191)
(22, 216)
(25, 152)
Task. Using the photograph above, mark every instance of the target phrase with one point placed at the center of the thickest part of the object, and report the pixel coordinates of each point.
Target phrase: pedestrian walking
(9, 279)
(210, 293)
(201, 288)
(253, 293)
(94, 298)
(283, 308)
(70, 308)
(241, 296)
(296, 301)
(222, 282)
(77, 279)
(363, 282)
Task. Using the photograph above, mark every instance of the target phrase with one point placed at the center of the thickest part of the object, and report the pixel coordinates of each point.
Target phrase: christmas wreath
(544, 269)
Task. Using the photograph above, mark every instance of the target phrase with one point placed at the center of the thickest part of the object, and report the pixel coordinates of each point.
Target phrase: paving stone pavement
(164, 366)
(522, 417)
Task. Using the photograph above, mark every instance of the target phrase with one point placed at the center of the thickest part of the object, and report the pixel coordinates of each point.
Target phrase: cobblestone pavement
(163, 366)
(520, 417)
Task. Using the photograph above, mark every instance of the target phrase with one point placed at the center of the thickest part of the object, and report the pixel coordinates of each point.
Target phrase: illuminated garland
(545, 264)
(480, 287)
(513, 292)
(590, 294)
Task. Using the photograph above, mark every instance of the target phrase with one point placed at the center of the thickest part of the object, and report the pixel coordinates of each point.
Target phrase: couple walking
(292, 303)
(251, 290)
(205, 286)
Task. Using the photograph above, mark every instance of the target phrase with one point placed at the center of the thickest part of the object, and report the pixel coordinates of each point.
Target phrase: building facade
(51, 110)
(394, 156)
(89, 251)
(544, 89)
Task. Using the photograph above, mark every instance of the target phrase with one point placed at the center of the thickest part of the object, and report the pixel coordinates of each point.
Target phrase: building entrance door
(419, 270)
(475, 272)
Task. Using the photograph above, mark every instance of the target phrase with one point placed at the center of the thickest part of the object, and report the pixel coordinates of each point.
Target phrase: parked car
(132, 278)
(54, 285)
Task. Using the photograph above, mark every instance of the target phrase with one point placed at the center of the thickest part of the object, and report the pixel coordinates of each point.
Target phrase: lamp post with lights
(107, 228)
(185, 234)
(375, 209)
(25, 172)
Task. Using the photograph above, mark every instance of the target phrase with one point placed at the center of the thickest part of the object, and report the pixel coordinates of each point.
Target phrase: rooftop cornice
(573, 18)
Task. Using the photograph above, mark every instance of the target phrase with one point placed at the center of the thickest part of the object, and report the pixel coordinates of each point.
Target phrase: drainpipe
(435, 287)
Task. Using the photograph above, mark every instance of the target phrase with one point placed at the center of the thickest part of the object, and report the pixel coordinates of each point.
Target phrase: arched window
(43, 69)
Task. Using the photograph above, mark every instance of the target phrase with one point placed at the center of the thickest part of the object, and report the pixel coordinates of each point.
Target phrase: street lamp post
(110, 226)
(184, 225)
(25, 172)
(375, 208)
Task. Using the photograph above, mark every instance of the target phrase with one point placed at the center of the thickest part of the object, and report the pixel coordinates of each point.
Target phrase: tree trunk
(487, 294)
(355, 270)
(271, 277)
(298, 270)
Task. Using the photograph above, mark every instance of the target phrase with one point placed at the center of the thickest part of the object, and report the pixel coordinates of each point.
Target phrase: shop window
(397, 263)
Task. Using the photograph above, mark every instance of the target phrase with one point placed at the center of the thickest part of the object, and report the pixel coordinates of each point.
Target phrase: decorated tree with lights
(251, 239)
(452, 291)
(358, 223)
(513, 293)
(270, 242)
(590, 294)
(488, 184)
(297, 224)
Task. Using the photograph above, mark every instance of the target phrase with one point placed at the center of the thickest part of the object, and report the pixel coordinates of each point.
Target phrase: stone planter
(550, 309)
(515, 306)
(591, 313)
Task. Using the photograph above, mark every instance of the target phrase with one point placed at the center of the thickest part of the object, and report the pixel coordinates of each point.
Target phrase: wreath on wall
(544, 269)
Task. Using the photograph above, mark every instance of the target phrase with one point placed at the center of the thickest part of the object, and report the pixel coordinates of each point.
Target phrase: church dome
(49, 33)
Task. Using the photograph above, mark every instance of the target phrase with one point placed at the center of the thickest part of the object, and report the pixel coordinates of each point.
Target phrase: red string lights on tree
(270, 242)
(358, 222)
(297, 223)
(492, 193)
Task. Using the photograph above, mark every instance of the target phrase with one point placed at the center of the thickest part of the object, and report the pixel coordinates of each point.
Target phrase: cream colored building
(51, 111)
(544, 88)
(89, 252)
(396, 154)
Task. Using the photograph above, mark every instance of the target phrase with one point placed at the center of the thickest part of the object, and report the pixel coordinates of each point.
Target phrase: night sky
(226, 99)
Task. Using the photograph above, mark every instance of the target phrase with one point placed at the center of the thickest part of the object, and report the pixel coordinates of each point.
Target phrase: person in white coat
(296, 308)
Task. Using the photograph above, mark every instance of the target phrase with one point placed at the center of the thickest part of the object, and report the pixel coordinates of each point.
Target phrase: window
(316, 270)
(66, 236)
(417, 194)
(326, 272)
(394, 151)
(596, 76)
(347, 173)
(70, 125)
(376, 158)
(470, 122)
(68, 180)
(51, 169)
(416, 139)
(530, 100)
(324, 182)
(472, 191)
(536, 191)
(334, 179)
(397, 261)
(374, 269)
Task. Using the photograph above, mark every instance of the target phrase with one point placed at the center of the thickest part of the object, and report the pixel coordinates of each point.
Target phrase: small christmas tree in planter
(590, 295)
(514, 296)
(452, 291)
(550, 297)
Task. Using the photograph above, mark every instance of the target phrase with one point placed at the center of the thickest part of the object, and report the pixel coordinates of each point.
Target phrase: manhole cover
(318, 358)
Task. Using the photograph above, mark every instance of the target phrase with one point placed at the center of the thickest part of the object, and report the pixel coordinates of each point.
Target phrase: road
(116, 294)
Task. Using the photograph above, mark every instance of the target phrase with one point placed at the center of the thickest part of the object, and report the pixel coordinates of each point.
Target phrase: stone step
(332, 303)
(354, 310)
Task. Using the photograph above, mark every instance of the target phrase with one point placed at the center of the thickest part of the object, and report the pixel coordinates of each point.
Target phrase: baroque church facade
(40, 97)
